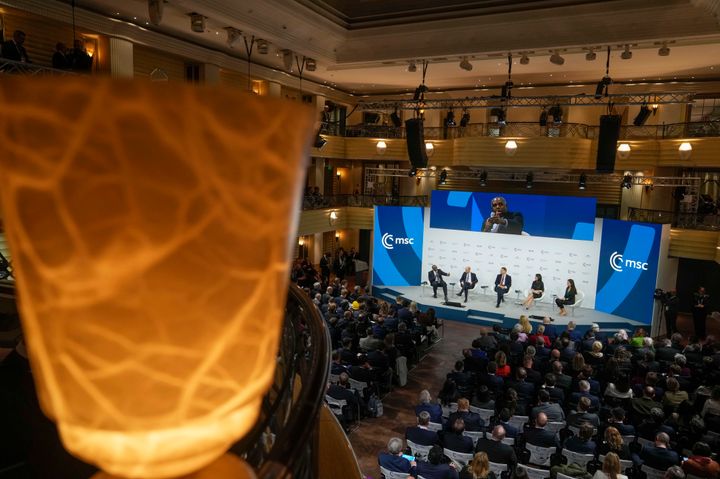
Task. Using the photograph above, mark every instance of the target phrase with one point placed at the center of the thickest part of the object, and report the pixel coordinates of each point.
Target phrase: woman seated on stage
(570, 293)
(536, 290)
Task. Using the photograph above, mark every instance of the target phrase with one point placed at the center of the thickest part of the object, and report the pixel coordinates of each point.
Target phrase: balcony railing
(10, 67)
(700, 221)
(362, 201)
(532, 129)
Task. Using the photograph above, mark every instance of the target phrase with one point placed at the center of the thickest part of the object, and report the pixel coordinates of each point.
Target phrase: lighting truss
(660, 98)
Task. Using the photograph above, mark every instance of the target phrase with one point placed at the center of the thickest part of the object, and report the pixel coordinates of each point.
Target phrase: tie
(502, 281)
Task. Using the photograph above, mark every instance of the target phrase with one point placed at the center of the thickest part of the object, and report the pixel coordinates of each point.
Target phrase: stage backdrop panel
(629, 258)
(568, 217)
(397, 245)
(524, 256)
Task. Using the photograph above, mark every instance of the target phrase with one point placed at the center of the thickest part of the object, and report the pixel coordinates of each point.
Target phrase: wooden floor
(371, 435)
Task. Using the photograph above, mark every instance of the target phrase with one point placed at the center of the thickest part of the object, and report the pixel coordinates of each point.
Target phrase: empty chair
(540, 456)
(519, 421)
(358, 386)
(534, 473)
(336, 405)
(652, 473)
(393, 474)
(555, 426)
(474, 435)
(420, 452)
(334, 378)
(485, 414)
(645, 442)
(434, 426)
(498, 468)
(625, 464)
(458, 457)
(628, 439)
(577, 458)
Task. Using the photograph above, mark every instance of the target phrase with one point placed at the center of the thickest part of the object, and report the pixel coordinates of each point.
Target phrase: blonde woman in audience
(478, 468)
(525, 324)
(610, 468)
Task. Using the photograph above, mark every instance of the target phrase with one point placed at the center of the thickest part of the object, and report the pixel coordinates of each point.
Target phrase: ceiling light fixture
(310, 64)
(624, 151)
(262, 46)
(233, 35)
(465, 64)
(412, 172)
(685, 150)
(556, 58)
(664, 50)
(626, 54)
(429, 149)
(511, 147)
(287, 58)
(381, 146)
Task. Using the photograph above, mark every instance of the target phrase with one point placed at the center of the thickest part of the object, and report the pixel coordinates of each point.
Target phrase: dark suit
(497, 452)
(435, 411)
(515, 223)
(467, 283)
(436, 471)
(575, 444)
(457, 442)
(594, 400)
(541, 437)
(436, 281)
(502, 290)
(473, 421)
(325, 263)
(553, 412)
(15, 52)
(700, 312)
(421, 436)
(352, 411)
(659, 457)
(395, 463)
(576, 419)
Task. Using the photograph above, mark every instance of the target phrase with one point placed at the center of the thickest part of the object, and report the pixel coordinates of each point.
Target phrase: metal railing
(700, 221)
(282, 442)
(531, 129)
(363, 201)
(10, 67)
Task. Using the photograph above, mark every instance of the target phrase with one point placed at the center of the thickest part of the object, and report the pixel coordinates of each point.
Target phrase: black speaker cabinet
(454, 303)
(607, 143)
(416, 142)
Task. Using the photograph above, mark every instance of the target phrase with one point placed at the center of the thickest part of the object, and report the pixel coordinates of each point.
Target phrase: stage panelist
(468, 281)
(536, 290)
(503, 281)
(503, 221)
(569, 298)
(435, 279)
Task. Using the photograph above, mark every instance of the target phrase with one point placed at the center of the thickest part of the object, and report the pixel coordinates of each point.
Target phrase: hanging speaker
(416, 142)
(607, 143)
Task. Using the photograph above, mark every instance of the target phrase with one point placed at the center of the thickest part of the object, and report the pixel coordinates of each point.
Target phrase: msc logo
(618, 263)
(389, 241)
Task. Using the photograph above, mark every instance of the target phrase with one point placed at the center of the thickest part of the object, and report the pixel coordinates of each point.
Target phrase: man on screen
(468, 281)
(435, 279)
(503, 281)
(503, 221)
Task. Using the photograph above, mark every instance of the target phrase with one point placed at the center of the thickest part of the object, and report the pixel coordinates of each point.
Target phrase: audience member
(393, 461)
(436, 467)
(610, 468)
(659, 456)
(478, 468)
(539, 436)
(426, 404)
(613, 442)
(497, 451)
(420, 434)
(700, 464)
(582, 443)
(454, 438)
(14, 48)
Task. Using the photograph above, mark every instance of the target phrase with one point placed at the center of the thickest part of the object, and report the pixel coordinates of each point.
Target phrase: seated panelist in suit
(536, 290)
(468, 281)
(435, 279)
(503, 221)
(503, 282)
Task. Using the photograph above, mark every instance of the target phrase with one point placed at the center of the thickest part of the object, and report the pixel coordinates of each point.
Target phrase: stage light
(412, 66)
(395, 119)
(685, 150)
(419, 92)
(627, 182)
(450, 119)
(465, 120)
(233, 35)
(381, 146)
(529, 180)
(642, 116)
(664, 51)
(262, 46)
(556, 58)
(601, 88)
(429, 149)
(443, 177)
(557, 114)
(582, 182)
(591, 55)
(511, 147)
(624, 150)
(524, 59)
(499, 114)
(626, 54)
(310, 64)
(506, 90)
(412, 172)
(543, 117)
(483, 178)
(197, 22)
(465, 64)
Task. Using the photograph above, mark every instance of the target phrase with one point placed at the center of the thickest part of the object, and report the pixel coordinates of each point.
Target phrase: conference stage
(615, 265)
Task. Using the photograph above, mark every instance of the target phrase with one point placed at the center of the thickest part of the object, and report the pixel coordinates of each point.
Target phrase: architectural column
(210, 74)
(274, 89)
(318, 247)
(121, 58)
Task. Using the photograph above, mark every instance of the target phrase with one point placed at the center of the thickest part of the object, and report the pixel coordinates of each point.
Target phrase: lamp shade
(685, 150)
(381, 146)
(624, 150)
(151, 228)
(510, 147)
(429, 149)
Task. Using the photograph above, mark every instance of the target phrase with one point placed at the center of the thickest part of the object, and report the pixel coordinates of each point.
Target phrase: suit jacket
(553, 412)
(457, 443)
(395, 463)
(436, 276)
(497, 452)
(473, 421)
(515, 223)
(594, 400)
(436, 471)
(643, 405)
(578, 418)
(419, 435)
(575, 444)
(659, 457)
(435, 411)
(473, 279)
(541, 437)
(508, 281)
(15, 52)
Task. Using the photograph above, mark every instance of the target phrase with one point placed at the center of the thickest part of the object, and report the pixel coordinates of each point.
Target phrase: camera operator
(670, 306)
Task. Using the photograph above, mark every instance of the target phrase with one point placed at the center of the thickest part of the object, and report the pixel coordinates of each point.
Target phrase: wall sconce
(511, 147)
(337, 236)
(624, 151)
(429, 149)
(301, 241)
(381, 146)
(685, 150)
(333, 217)
(648, 184)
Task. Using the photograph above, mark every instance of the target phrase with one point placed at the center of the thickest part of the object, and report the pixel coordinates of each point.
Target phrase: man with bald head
(501, 220)
(497, 451)
(539, 436)
(659, 456)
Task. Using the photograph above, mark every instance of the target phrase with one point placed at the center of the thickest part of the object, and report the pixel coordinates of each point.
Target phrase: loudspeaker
(453, 303)
(416, 142)
(607, 143)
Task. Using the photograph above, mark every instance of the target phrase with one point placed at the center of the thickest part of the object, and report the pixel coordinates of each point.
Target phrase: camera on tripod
(662, 295)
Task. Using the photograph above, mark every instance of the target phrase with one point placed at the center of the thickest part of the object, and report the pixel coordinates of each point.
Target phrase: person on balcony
(14, 50)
